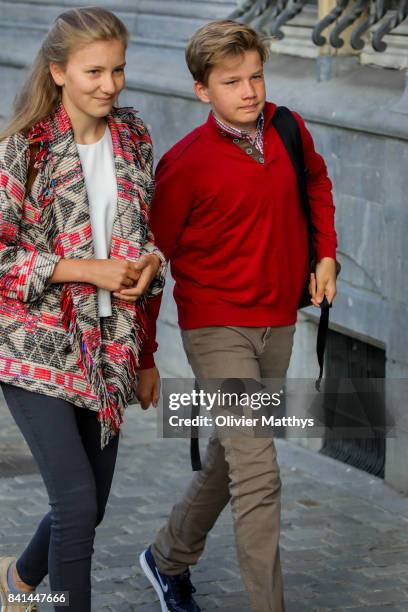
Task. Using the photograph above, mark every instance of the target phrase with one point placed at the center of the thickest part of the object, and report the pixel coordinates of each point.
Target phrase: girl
(75, 185)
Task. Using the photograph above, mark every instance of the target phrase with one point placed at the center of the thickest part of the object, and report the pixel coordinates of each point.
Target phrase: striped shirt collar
(256, 140)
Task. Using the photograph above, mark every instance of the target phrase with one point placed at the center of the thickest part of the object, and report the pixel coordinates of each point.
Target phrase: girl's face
(93, 77)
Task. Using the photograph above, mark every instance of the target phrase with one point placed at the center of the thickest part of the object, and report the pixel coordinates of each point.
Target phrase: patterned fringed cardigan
(51, 338)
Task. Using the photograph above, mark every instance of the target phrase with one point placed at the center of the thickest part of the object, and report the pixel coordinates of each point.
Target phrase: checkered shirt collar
(256, 140)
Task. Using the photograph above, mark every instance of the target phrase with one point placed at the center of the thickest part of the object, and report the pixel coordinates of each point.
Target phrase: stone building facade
(354, 98)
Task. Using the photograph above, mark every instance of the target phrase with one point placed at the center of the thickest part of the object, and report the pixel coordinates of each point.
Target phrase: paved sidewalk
(344, 540)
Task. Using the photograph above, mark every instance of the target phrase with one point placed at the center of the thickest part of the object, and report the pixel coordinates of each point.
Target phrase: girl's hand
(110, 274)
(147, 267)
(148, 387)
(113, 274)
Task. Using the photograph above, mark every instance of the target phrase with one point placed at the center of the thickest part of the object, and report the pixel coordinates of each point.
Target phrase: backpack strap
(289, 132)
(194, 440)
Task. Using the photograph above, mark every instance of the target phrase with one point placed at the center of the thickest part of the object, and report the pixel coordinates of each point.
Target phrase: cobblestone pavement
(344, 533)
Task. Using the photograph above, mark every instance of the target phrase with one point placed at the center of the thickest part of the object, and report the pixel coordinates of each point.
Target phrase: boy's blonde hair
(216, 40)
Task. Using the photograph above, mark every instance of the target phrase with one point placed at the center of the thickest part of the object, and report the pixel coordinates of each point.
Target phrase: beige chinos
(242, 469)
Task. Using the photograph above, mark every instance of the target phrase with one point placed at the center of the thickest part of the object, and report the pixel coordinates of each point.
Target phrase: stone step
(180, 6)
(147, 20)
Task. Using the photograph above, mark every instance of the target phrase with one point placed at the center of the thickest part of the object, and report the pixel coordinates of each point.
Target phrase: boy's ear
(201, 91)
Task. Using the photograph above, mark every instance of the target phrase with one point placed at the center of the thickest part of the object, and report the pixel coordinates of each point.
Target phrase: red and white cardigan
(51, 338)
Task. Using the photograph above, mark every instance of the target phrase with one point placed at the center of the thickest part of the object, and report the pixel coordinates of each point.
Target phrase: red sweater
(234, 230)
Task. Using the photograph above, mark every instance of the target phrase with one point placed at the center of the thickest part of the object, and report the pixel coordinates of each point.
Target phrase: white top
(98, 165)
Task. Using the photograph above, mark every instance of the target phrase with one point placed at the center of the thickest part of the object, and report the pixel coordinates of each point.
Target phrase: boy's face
(236, 90)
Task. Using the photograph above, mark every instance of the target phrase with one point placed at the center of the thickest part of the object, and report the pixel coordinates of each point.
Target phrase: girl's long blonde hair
(39, 95)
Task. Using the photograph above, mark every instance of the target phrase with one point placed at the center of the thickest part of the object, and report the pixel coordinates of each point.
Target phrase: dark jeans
(65, 442)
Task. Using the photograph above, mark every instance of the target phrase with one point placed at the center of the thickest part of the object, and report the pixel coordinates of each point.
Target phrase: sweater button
(236, 140)
(261, 159)
(249, 151)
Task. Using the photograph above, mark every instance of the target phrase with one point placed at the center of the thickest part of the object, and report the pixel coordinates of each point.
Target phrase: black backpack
(289, 132)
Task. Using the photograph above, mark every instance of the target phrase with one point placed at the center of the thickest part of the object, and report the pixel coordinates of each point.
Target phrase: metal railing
(382, 17)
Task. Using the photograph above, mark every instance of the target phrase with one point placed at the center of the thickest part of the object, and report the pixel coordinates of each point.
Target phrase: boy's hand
(323, 282)
(148, 387)
(147, 266)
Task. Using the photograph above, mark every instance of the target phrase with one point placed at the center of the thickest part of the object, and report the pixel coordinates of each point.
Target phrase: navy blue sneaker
(175, 592)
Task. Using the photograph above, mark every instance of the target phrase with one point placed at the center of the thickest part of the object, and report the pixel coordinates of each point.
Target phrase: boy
(227, 215)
